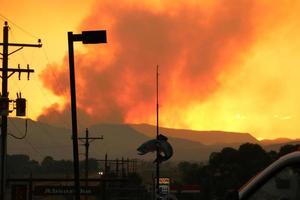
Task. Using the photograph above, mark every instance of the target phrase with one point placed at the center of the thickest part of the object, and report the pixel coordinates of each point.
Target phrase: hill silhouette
(120, 140)
(276, 141)
(204, 137)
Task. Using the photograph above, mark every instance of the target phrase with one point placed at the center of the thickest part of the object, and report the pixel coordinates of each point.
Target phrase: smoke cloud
(197, 45)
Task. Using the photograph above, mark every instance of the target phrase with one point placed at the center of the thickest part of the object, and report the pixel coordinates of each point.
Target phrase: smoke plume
(197, 45)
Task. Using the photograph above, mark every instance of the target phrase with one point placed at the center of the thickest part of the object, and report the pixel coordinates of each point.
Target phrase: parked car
(279, 181)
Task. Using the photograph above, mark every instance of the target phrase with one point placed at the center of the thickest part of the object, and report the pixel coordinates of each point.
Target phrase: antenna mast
(157, 133)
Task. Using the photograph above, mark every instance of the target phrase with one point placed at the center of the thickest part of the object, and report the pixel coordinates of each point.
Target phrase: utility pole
(4, 103)
(157, 133)
(87, 140)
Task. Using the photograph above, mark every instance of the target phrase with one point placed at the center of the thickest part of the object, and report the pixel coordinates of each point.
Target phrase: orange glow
(224, 65)
(48, 20)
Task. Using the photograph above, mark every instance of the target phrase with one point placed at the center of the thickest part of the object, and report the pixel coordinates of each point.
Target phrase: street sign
(164, 186)
(64, 190)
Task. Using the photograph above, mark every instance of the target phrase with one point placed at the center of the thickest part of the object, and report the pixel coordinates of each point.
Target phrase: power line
(56, 80)
(25, 139)
(46, 132)
(19, 57)
(45, 55)
(87, 140)
(25, 133)
(35, 149)
(17, 26)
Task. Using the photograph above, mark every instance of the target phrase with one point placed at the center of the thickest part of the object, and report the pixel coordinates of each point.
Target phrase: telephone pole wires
(4, 99)
(87, 141)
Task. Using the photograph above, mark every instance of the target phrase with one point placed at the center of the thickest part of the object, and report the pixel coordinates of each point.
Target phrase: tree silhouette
(228, 169)
(288, 149)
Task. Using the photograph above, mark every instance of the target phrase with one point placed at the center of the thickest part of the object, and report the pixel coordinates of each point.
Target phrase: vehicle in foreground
(279, 181)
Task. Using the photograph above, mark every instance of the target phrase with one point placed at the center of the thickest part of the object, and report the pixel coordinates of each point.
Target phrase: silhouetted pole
(30, 187)
(157, 133)
(5, 109)
(117, 167)
(87, 145)
(123, 169)
(4, 117)
(87, 37)
(153, 186)
(87, 141)
(128, 166)
(105, 165)
(74, 116)
(134, 165)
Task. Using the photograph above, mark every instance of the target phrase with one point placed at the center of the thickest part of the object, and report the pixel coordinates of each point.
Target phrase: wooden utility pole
(87, 140)
(4, 108)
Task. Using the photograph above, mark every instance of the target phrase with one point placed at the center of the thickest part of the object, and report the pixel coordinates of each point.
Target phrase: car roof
(263, 176)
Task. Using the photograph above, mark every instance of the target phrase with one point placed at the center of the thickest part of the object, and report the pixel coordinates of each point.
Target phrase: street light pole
(87, 37)
(74, 116)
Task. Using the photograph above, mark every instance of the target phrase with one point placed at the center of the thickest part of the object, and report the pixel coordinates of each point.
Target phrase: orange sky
(230, 67)
(48, 20)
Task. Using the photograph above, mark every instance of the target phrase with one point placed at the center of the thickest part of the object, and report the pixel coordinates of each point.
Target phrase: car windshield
(284, 185)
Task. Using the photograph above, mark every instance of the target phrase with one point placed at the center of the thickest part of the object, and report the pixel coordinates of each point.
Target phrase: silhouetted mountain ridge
(277, 141)
(277, 146)
(120, 140)
(204, 137)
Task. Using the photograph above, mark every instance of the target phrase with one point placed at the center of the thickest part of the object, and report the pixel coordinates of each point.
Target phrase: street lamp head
(94, 37)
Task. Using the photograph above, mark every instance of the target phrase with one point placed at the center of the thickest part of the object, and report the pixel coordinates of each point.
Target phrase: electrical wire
(46, 132)
(25, 59)
(25, 134)
(35, 149)
(41, 155)
(26, 124)
(45, 53)
(52, 74)
(19, 27)
(22, 56)
(25, 139)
